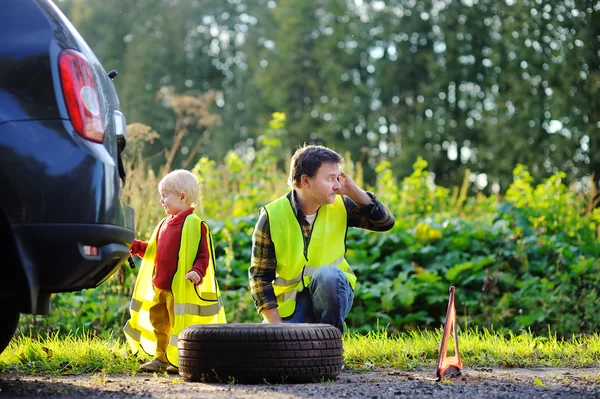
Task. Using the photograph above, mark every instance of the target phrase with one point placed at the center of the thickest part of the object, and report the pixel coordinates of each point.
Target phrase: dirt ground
(385, 383)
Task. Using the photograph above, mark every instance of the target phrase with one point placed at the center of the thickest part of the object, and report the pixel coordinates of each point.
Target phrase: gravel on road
(485, 383)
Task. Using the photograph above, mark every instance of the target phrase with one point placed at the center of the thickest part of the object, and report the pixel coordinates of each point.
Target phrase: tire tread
(260, 352)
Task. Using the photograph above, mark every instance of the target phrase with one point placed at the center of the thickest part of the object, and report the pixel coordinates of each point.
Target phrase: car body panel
(60, 191)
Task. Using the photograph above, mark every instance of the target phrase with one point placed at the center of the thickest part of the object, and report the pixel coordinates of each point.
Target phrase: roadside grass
(477, 348)
(84, 353)
(70, 355)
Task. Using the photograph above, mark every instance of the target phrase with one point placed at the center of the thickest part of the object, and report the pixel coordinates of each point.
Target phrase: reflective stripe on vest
(308, 271)
(193, 304)
(326, 247)
(184, 308)
(197, 310)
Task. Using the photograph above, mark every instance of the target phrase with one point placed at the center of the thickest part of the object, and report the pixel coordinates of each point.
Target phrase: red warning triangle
(450, 364)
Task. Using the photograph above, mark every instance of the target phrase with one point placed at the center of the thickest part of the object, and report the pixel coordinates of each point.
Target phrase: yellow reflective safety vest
(192, 304)
(295, 263)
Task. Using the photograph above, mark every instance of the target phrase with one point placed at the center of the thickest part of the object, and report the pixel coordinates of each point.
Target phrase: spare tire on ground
(258, 353)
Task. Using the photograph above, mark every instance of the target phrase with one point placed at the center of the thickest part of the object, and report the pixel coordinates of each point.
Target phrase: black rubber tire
(256, 353)
(9, 319)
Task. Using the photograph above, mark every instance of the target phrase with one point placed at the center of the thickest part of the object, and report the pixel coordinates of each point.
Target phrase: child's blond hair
(181, 181)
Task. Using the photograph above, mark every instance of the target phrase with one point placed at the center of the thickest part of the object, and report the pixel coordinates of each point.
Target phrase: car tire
(255, 353)
(9, 319)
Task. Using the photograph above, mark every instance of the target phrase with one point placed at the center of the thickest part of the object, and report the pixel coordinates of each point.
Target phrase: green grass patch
(419, 349)
(70, 355)
(407, 351)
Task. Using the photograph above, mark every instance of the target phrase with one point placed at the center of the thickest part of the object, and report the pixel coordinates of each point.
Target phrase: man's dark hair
(308, 159)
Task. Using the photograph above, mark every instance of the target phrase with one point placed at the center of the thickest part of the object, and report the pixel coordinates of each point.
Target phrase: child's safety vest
(192, 304)
(295, 263)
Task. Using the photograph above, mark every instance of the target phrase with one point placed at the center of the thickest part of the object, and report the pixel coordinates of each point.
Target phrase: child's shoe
(172, 370)
(154, 365)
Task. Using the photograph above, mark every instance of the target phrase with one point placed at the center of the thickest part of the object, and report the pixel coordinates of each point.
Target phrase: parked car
(64, 224)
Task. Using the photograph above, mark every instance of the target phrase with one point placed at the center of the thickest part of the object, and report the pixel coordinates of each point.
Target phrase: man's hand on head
(349, 188)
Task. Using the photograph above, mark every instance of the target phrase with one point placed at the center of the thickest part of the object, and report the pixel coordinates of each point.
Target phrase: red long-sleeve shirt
(167, 251)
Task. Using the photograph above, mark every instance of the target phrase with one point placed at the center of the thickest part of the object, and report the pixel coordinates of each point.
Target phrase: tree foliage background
(468, 85)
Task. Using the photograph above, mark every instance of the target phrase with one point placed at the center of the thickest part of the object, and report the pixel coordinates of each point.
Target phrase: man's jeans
(328, 299)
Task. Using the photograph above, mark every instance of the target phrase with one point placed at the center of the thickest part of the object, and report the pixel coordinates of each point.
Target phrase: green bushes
(515, 281)
(528, 261)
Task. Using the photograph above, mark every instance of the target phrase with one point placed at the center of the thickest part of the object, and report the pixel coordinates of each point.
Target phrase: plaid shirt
(373, 216)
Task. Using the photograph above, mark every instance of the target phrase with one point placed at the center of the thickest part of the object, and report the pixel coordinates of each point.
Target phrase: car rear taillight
(81, 95)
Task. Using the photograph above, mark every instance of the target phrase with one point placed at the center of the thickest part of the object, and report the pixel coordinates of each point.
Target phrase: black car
(64, 226)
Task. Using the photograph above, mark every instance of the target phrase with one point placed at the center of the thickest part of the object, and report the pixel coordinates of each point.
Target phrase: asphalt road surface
(383, 383)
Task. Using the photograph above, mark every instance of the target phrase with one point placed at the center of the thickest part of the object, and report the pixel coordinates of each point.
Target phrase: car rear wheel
(8, 324)
(260, 352)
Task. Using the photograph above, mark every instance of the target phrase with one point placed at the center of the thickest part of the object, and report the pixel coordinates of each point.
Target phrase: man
(298, 272)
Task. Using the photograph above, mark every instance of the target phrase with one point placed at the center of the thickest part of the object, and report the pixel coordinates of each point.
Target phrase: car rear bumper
(57, 258)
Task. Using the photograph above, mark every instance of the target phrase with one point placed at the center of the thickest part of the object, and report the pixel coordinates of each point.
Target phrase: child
(164, 302)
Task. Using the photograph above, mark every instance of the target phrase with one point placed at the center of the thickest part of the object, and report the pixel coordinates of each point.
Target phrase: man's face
(324, 185)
